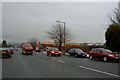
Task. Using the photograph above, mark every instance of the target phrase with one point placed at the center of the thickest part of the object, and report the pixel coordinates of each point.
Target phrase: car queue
(94, 54)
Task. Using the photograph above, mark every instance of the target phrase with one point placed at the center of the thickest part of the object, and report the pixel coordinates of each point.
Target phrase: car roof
(4, 48)
(99, 49)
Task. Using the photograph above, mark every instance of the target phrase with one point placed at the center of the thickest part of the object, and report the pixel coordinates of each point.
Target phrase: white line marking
(99, 71)
(61, 61)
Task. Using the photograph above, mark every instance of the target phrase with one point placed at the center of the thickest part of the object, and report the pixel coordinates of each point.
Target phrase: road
(41, 66)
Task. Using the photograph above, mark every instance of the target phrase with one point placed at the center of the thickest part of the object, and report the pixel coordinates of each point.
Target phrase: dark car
(76, 52)
(5, 53)
(103, 54)
(53, 51)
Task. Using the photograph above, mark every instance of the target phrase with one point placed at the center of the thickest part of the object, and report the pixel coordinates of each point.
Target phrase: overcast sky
(86, 21)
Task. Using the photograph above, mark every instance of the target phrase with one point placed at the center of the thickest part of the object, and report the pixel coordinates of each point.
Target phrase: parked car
(53, 51)
(76, 52)
(5, 53)
(103, 54)
(27, 49)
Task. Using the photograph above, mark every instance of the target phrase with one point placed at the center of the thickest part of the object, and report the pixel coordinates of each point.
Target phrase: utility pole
(64, 34)
(64, 39)
(119, 9)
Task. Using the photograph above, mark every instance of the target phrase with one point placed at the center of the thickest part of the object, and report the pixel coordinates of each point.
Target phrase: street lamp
(64, 34)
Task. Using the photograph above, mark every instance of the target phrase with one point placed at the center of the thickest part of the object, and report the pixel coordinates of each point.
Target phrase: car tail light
(8, 51)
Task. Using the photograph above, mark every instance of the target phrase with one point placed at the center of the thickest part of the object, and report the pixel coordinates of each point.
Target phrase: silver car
(5, 53)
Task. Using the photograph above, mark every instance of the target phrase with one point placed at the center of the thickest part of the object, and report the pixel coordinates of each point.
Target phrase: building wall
(85, 47)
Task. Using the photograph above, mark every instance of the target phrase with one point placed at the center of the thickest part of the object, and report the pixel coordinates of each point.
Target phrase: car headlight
(110, 55)
(52, 52)
(59, 52)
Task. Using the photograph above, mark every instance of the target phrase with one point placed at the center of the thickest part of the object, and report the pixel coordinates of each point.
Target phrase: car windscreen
(54, 49)
(28, 45)
(79, 50)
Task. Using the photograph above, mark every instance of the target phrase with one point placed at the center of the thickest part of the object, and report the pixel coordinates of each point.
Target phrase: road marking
(55, 59)
(61, 61)
(99, 71)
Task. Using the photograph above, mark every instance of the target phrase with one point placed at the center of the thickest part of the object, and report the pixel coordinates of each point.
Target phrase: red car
(103, 54)
(27, 49)
(53, 51)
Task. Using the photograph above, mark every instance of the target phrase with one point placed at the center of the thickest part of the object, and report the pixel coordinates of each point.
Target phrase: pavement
(39, 65)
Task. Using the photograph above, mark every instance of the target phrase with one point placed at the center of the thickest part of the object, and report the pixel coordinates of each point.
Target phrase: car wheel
(59, 55)
(50, 54)
(104, 59)
(69, 55)
(76, 55)
(47, 54)
(91, 57)
(22, 53)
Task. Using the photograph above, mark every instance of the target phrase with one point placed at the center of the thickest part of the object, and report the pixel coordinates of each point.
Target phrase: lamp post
(119, 5)
(64, 33)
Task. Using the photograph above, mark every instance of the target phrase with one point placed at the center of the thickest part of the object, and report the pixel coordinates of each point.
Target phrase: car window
(71, 50)
(106, 51)
(98, 50)
(28, 45)
(74, 50)
(79, 50)
(94, 50)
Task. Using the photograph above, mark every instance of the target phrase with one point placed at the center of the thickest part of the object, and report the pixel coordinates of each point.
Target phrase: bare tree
(57, 34)
(33, 42)
(4, 43)
(115, 19)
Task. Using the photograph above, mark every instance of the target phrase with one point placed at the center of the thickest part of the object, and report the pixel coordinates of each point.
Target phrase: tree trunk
(60, 43)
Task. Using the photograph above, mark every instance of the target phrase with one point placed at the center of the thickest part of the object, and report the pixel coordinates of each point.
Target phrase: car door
(98, 53)
(93, 52)
(49, 51)
(75, 52)
(71, 52)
